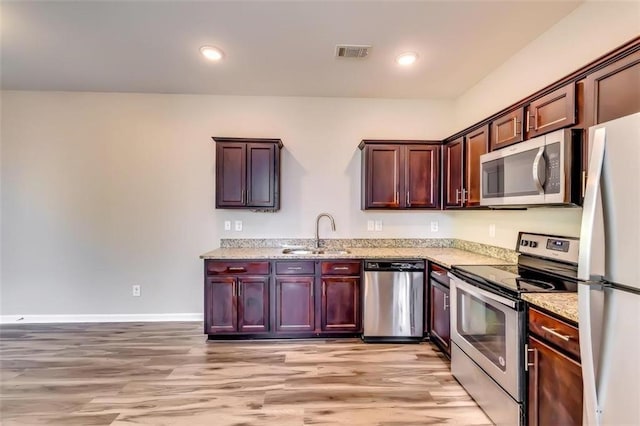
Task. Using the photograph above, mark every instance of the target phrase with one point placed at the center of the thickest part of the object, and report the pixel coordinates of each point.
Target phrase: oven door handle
(481, 294)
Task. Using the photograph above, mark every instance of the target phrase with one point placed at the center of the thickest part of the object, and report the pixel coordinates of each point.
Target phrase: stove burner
(527, 284)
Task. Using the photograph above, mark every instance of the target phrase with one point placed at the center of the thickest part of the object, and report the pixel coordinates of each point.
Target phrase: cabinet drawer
(295, 268)
(341, 268)
(555, 331)
(237, 268)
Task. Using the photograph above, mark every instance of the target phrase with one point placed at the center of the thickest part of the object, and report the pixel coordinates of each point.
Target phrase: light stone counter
(443, 256)
(564, 305)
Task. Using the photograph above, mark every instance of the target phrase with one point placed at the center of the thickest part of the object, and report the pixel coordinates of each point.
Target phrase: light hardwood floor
(167, 374)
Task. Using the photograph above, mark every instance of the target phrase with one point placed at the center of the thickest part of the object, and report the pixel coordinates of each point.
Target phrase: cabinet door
(553, 111)
(382, 176)
(231, 172)
(421, 176)
(613, 91)
(555, 387)
(261, 180)
(477, 144)
(440, 315)
(253, 304)
(221, 314)
(340, 304)
(506, 129)
(453, 156)
(295, 304)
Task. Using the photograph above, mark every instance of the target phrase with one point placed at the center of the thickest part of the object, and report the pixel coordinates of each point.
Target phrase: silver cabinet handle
(528, 364)
(464, 195)
(244, 196)
(236, 269)
(397, 199)
(294, 268)
(341, 268)
(529, 117)
(539, 163)
(516, 124)
(233, 289)
(408, 202)
(457, 196)
(555, 333)
(446, 302)
(584, 183)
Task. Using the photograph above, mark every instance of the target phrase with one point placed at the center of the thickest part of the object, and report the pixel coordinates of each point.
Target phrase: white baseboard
(35, 319)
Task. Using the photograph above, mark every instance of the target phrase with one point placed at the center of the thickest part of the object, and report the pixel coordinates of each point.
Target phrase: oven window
(484, 327)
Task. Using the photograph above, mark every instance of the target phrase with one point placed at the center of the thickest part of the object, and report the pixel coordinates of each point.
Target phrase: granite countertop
(444, 256)
(564, 305)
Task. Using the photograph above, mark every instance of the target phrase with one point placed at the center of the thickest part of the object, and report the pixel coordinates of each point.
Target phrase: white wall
(102, 191)
(590, 31)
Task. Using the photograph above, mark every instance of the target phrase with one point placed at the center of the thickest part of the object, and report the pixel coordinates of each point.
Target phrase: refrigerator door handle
(589, 241)
(591, 410)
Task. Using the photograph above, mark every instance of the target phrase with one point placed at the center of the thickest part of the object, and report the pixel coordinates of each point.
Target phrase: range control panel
(564, 249)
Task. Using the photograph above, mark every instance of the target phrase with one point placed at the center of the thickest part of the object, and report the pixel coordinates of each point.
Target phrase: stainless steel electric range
(488, 324)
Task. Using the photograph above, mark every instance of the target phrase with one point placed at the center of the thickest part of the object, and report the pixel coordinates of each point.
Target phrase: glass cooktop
(513, 279)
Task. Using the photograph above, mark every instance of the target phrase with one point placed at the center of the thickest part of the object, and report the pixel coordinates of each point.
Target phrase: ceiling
(278, 48)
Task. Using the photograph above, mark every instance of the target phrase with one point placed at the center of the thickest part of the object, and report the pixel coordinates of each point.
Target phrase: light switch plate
(370, 225)
(434, 226)
(378, 225)
(227, 225)
(238, 225)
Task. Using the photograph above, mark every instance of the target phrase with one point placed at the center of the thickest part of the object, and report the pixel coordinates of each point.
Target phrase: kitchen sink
(305, 250)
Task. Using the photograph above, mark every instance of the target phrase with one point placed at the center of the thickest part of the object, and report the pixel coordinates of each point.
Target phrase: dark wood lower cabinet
(440, 330)
(282, 298)
(221, 309)
(555, 387)
(253, 304)
(340, 304)
(295, 307)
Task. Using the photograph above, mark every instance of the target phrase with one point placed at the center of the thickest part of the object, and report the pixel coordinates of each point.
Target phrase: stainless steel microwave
(541, 171)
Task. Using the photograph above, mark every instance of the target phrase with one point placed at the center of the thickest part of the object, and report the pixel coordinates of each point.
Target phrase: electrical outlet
(378, 225)
(434, 226)
(135, 290)
(227, 225)
(492, 230)
(238, 225)
(370, 225)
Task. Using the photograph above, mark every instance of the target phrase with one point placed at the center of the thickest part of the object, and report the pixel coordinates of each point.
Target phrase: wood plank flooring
(167, 374)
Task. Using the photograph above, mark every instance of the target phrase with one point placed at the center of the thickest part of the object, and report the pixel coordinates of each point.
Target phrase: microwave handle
(539, 163)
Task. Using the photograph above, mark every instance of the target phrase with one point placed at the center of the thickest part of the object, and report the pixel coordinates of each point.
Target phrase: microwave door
(515, 176)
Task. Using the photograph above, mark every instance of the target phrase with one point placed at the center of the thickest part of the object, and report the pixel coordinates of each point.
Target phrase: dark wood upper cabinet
(453, 173)
(248, 173)
(476, 144)
(613, 91)
(340, 309)
(421, 183)
(400, 174)
(382, 176)
(295, 309)
(461, 177)
(554, 111)
(507, 129)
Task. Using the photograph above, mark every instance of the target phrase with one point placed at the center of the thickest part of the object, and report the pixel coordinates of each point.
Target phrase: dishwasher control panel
(394, 265)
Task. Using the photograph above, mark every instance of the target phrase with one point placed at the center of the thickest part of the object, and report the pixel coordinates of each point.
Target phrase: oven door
(487, 328)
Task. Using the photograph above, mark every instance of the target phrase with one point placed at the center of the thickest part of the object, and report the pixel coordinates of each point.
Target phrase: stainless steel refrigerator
(609, 267)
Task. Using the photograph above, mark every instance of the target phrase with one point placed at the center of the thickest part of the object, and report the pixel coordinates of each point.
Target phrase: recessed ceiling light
(211, 53)
(407, 58)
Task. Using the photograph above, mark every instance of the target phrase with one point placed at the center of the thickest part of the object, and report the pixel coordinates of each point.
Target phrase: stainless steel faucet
(333, 226)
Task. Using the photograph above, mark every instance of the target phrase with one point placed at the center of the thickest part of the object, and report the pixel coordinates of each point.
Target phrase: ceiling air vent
(352, 51)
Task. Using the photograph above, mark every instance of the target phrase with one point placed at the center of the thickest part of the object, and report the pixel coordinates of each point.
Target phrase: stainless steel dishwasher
(393, 300)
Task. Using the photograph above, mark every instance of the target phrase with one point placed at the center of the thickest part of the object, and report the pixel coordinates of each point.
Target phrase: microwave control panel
(552, 156)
